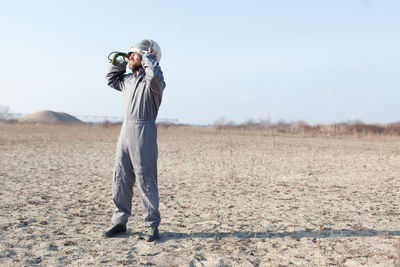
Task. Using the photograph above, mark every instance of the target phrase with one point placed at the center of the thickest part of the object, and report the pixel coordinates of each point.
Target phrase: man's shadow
(166, 236)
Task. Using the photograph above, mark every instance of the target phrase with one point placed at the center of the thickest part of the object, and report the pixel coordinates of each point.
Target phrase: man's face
(134, 61)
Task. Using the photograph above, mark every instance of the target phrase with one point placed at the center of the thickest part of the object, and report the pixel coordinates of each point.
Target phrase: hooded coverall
(137, 152)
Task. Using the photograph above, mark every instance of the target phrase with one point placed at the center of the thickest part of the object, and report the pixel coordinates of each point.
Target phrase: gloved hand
(150, 50)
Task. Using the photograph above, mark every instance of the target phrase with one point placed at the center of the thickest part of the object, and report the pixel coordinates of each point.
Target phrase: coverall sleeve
(116, 75)
(153, 73)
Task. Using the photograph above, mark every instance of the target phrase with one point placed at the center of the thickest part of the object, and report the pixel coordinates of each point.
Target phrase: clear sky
(317, 61)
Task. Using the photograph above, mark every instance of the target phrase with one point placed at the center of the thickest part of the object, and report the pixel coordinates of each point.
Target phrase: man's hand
(150, 50)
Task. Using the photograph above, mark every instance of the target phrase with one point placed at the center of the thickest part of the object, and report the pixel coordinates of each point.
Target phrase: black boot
(115, 230)
(152, 234)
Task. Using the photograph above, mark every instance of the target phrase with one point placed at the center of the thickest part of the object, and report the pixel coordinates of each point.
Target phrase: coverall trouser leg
(122, 189)
(148, 194)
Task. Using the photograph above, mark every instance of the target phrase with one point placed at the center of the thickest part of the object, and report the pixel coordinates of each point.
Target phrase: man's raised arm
(153, 73)
(116, 75)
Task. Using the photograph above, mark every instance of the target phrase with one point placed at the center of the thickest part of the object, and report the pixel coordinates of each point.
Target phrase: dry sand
(228, 198)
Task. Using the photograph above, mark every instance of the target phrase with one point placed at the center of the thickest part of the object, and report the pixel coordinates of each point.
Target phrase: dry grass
(301, 127)
(352, 128)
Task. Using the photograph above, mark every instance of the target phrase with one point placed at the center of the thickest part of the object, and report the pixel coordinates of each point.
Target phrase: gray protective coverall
(137, 152)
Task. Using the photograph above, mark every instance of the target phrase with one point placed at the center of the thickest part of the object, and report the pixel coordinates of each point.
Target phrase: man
(137, 152)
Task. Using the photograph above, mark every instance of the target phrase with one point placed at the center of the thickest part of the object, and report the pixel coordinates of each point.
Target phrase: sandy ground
(228, 198)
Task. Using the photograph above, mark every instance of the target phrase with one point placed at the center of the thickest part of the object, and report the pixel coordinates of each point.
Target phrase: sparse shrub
(222, 124)
(265, 123)
(393, 128)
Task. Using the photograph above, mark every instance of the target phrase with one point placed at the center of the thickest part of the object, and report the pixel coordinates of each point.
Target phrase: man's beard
(136, 67)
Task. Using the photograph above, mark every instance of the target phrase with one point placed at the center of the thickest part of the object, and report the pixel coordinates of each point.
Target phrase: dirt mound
(48, 116)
